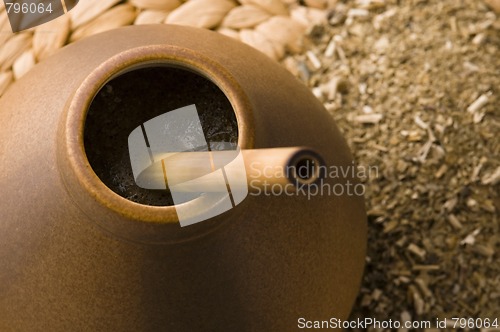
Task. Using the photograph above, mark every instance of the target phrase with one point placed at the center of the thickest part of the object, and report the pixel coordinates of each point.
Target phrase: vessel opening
(133, 100)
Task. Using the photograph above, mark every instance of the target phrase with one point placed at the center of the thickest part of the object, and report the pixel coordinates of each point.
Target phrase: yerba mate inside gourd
(129, 100)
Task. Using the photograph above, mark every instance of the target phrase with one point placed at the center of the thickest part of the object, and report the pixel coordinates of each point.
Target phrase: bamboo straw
(242, 170)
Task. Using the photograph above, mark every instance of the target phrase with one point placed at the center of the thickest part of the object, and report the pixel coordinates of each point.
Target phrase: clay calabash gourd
(76, 256)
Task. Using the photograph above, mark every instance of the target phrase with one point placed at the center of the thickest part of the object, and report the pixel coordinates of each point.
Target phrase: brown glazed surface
(75, 256)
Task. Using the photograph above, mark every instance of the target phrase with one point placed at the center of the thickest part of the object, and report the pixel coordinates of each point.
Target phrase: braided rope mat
(275, 27)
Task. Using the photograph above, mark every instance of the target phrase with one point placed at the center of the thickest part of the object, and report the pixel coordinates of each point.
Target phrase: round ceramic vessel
(76, 256)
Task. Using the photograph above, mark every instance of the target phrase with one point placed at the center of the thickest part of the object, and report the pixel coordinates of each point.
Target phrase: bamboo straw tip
(306, 167)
